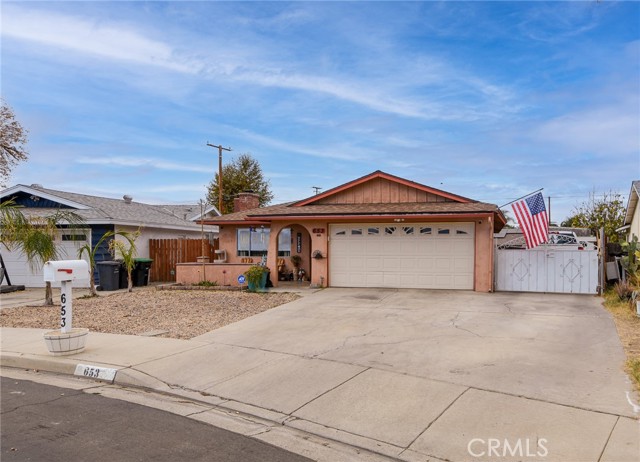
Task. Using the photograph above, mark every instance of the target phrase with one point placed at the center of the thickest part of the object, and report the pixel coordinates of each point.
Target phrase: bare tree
(13, 138)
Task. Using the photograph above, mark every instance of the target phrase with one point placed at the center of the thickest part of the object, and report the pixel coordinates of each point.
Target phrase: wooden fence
(166, 253)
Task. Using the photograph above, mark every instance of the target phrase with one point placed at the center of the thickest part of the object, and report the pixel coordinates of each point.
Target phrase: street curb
(233, 416)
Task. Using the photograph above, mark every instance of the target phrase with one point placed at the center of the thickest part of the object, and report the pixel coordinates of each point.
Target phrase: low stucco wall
(225, 274)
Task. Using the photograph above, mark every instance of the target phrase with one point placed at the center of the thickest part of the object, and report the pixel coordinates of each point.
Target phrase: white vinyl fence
(547, 269)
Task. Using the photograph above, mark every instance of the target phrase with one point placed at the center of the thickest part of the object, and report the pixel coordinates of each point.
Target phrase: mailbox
(66, 270)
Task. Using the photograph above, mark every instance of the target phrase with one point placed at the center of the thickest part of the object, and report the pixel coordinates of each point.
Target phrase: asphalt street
(42, 422)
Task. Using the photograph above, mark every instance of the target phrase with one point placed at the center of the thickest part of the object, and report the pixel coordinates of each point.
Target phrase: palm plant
(37, 240)
(91, 253)
(35, 235)
(12, 223)
(127, 251)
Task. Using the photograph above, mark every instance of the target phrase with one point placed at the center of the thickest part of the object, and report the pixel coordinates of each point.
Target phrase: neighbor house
(632, 215)
(101, 214)
(376, 231)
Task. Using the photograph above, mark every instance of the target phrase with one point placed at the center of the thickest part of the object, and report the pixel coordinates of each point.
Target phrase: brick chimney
(246, 200)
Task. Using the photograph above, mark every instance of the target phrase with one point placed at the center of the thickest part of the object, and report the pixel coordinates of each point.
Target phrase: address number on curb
(95, 372)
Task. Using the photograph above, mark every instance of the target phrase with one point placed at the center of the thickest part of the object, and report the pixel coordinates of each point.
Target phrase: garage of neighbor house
(379, 230)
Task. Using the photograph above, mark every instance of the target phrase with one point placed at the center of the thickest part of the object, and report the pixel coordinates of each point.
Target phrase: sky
(488, 100)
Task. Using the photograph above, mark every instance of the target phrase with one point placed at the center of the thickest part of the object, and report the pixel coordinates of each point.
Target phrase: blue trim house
(101, 215)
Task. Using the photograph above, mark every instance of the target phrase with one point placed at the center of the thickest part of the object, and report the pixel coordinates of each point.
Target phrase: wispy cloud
(121, 42)
(94, 37)
(128, 162)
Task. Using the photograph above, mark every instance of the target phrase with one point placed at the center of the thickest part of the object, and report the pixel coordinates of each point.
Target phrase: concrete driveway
(410, 374)
(417, 374)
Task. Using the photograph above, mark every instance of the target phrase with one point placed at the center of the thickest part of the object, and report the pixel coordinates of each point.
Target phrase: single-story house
(101, 214)
(379, 230)
(632, 215)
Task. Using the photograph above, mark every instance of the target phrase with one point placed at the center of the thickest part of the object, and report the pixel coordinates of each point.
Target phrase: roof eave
(324, 216)
(185, 227)
(37, 192)
(631, 204)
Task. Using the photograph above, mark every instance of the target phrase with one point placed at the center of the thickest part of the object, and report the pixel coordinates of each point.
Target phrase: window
(425, 230)
(356, 232)
(373, 231)
(253, 242)
(340, 232)
(460, 231)
(408, 230)
(284, 243)
(389, 230)
(74, 237)
(443, 230)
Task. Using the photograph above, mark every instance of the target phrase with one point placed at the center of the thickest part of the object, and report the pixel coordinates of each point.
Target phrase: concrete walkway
(411, 375)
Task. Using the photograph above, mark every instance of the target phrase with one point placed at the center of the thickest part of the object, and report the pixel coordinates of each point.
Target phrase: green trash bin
(141, 271)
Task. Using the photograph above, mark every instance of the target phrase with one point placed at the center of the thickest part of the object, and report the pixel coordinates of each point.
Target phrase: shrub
(254, 274)
(623, 290)
(207, 284)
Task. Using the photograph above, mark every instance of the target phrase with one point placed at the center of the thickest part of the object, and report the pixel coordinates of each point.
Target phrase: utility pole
(220, 149)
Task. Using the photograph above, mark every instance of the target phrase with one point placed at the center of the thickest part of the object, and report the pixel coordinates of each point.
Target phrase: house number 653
(63, 310)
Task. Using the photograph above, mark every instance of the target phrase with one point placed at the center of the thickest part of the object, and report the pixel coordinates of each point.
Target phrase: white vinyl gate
(547, 269)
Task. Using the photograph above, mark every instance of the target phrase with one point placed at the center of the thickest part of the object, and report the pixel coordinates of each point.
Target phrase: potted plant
(295, 262)
(256, 277)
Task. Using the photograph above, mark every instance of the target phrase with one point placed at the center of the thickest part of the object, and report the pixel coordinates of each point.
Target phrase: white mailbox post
(65, 272)
(66, 340)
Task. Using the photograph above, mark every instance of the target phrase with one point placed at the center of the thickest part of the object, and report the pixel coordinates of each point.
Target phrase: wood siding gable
(381, 191)
(381, 188)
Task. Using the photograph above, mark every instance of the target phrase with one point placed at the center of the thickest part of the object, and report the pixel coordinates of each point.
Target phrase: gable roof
(104, 210)
(315, 208)
(385, 176)
(634, 194)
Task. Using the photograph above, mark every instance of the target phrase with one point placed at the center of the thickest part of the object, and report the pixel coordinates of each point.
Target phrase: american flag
(532, 218)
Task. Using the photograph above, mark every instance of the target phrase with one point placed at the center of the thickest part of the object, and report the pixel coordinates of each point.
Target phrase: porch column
(272, 252)
(319, 266)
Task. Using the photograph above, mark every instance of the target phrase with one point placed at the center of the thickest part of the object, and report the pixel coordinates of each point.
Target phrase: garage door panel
(425, 264)
(461, 264)
(374, 279)
(389, 247)
(425, 246)
(391, 280)
(443, 265)
(444, 247)
(408, 264)
(358, 263)
(426, 281)
(462, 280)
(374, 264)
(431, 255)
(391, 264)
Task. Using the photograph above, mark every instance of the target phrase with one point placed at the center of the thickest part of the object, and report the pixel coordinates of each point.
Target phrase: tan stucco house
(379, 230)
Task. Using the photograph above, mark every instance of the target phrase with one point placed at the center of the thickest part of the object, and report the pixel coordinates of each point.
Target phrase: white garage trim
(402, 255)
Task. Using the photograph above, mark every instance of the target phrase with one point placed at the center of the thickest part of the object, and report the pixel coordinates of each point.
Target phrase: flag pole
(526, 195)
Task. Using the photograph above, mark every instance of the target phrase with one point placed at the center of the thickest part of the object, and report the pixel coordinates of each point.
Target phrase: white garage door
(21, 274)
(415, 255)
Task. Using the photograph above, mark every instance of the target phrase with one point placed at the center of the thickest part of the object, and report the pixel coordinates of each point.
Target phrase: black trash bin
(141, 271)
(124, 283)
(109, 272)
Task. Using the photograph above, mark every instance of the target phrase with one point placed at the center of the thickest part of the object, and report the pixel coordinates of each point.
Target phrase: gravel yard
(182, 313)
